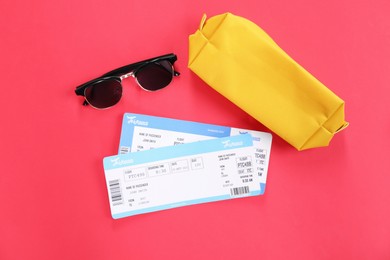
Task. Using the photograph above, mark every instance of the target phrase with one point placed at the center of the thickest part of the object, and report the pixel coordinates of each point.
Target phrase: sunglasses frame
(124, 72)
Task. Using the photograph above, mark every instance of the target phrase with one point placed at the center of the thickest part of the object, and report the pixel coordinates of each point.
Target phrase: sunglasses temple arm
(128, 68)
(122, 70)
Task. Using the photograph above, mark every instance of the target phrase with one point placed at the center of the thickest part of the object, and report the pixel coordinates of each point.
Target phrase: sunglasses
(151, 75)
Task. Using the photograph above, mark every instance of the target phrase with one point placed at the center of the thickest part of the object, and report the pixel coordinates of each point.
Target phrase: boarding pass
(144, 132)
(187, 174)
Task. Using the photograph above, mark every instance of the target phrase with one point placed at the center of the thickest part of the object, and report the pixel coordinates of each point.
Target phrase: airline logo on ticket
(143, 132)
(187, 174)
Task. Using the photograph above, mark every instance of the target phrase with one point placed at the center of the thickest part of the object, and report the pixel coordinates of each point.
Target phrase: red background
(326, 203)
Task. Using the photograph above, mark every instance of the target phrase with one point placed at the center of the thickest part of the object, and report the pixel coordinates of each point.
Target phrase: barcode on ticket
(238, 191)
(116, 192)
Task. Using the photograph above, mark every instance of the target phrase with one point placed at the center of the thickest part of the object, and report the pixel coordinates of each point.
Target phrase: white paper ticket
(187, 174)
(144, 132)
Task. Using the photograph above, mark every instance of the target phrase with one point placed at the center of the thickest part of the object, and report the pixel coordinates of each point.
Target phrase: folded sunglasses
(151, 75)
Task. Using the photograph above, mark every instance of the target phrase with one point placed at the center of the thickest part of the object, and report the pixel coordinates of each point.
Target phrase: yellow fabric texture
(239, 60)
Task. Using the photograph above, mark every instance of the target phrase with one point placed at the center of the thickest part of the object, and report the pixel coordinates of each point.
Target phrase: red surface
(327, 203)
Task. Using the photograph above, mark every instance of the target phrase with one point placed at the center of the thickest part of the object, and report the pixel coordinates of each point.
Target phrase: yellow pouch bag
(240, 61)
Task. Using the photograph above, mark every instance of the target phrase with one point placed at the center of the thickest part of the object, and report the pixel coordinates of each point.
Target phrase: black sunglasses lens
(104, 94)
(155, 76)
